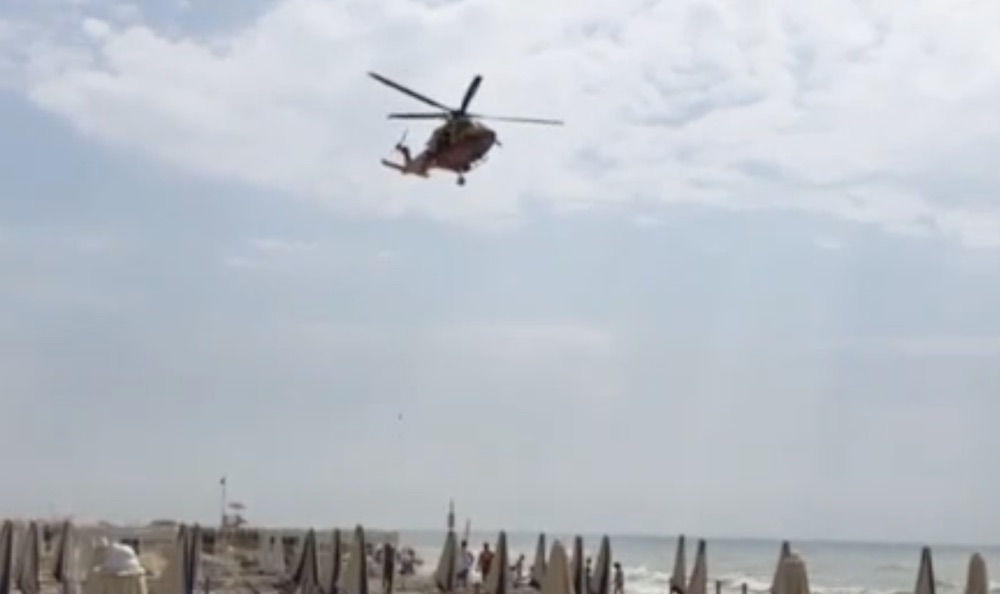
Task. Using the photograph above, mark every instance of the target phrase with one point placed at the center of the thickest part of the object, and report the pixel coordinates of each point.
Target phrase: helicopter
(459, 144)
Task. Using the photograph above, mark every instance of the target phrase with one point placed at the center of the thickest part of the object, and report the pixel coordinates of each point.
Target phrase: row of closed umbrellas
(555, 572)
(791, 575)
(21, 560)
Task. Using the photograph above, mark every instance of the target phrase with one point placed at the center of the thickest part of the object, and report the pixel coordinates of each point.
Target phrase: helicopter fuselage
(457, 149)
(460, 154)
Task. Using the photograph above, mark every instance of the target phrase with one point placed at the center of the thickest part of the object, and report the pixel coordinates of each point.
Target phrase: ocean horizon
(631, 535)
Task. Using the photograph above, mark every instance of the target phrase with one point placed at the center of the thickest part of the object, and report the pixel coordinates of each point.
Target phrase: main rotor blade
(395, 85)
(517, 120)
(418, 116)
(470, 93)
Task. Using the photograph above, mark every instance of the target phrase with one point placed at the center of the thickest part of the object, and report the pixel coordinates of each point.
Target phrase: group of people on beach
(468, 561)
(388, 561)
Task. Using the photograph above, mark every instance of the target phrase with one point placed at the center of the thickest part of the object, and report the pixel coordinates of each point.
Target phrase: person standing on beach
(519, 571)
(619, 581)
(589, 581)
(485, 560)
(465, 561)
(388, 568)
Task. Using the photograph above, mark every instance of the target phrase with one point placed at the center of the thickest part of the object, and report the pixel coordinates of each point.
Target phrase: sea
(833, 567)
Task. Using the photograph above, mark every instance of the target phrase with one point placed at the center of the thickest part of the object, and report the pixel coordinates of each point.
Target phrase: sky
(750, 288)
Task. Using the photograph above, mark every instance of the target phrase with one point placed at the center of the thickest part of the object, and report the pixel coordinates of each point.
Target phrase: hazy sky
(752, 288)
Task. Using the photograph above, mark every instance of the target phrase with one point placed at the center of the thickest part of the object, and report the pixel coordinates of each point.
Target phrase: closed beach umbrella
(678, 579)
(978, 581)
(447, 568)
(306, 574)
(558, 579)
(355, 578)
(600, 581)
(925, 575)
(498, 579)
(29, 563)
(538, 567)
(192, 558)
(336, 553)
(579, 568)
(792, 576)
(6, 557)
(173, 578)
(699, 575)
(61, 562)
(784, 553)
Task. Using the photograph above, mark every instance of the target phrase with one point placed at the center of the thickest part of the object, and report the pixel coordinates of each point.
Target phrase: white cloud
(960, 347)
(308, 256)
(829, 244)
(836, 108)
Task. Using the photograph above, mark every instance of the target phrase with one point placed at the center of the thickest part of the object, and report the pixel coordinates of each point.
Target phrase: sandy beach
(257, 561)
